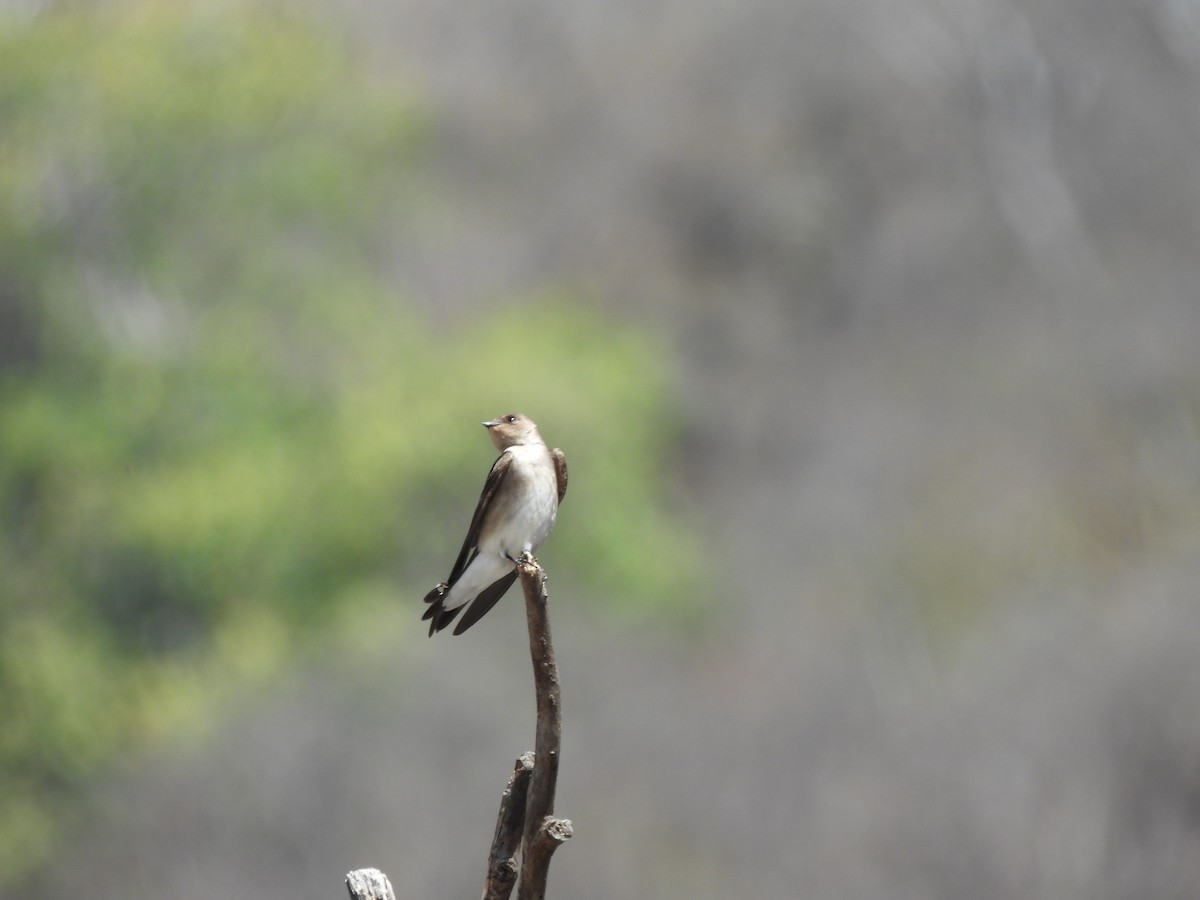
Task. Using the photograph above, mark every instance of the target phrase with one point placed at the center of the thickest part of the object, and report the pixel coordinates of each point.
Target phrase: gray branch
(542, 832)
(527, 832)
(502, 861)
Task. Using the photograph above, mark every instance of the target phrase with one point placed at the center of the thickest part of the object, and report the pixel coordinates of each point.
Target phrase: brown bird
(515, 513)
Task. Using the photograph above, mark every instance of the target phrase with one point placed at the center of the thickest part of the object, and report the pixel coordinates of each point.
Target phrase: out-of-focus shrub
(218, 425)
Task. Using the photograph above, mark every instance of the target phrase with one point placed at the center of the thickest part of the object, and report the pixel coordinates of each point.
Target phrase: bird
(516, 510)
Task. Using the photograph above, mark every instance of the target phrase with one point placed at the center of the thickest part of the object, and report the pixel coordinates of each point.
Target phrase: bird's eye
(511, 419)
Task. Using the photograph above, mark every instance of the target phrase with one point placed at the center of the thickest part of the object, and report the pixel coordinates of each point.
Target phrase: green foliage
(227, 433)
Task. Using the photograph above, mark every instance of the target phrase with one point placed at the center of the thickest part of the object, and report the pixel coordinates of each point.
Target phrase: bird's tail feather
(437, 613)
(477, 588)
(487, 598)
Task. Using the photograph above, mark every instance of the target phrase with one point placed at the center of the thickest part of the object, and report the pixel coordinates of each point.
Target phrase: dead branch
(502, 861)
(542, 832)
(527, 832)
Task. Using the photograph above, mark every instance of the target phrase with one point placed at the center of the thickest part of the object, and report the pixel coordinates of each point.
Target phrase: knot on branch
(501, 878)
(558, 830)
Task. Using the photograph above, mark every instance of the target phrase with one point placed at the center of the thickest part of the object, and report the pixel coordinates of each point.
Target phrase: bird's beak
(491, 424)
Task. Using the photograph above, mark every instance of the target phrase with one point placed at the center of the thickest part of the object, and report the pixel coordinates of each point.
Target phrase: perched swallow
(516, 511)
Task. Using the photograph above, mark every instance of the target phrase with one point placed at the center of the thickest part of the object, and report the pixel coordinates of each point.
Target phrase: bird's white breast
(525, 521)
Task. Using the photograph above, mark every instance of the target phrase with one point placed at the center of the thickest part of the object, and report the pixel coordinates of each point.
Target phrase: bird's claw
(525, 560)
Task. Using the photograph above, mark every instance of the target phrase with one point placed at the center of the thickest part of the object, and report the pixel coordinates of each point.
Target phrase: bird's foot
(525, 557)
(525, 561)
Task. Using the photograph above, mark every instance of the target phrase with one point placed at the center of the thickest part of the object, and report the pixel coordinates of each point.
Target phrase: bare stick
(542, 832)
(502, 862)
(369, 884)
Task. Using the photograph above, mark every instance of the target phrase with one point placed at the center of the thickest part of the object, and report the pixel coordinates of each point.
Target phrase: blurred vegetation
(219, 429)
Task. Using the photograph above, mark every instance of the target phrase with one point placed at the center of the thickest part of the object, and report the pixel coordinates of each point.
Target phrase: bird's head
(511, 430)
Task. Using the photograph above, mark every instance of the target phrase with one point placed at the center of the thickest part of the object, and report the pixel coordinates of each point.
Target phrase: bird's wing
(560, 472)
(494, 479)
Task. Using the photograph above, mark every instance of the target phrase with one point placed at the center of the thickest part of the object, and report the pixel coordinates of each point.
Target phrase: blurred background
(870, 330)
